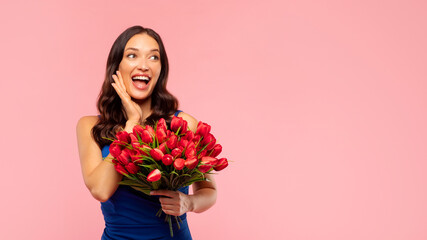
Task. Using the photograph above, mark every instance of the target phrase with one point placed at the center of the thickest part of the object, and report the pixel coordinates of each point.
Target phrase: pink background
(321, 106)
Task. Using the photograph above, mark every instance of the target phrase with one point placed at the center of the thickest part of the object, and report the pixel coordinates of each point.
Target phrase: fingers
(116, 84)
(119, 87)
(174, 209)
(172, 212)
(168, 201)
(173, 202)
(122, 84)
(166, 193)
(133, 110)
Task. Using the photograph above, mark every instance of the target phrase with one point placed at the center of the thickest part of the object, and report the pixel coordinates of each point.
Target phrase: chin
(140, 96)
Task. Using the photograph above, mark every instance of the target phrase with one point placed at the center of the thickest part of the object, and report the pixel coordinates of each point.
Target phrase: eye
(154, 57)
(131, 55)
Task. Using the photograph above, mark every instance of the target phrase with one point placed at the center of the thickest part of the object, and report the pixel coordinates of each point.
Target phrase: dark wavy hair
(113, 115)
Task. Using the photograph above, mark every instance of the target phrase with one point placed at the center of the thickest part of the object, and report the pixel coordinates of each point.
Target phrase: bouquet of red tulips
(162, 158)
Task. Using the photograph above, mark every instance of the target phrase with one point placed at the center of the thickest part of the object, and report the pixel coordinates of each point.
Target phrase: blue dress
(130, 214)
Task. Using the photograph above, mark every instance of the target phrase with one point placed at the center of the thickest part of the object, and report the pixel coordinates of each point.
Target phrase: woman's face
(140, 66)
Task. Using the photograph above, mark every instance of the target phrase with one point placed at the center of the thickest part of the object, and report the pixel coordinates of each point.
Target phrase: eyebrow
(136, 49)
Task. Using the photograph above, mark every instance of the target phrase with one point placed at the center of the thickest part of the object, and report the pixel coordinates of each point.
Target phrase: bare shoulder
(192, 122)
(86, 122)
(88, 148)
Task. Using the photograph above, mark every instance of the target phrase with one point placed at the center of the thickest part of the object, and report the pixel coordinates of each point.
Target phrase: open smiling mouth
(141, 82)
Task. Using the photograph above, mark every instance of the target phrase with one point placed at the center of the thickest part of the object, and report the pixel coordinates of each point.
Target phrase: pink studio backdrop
(321, 106)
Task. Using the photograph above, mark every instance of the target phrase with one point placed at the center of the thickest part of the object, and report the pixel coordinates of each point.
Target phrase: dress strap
(177, 112)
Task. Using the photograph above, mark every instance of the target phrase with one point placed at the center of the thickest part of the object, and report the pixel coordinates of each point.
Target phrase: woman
(134, 92)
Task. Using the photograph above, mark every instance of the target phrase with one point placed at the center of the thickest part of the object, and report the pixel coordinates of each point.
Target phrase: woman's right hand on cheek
(133, 110)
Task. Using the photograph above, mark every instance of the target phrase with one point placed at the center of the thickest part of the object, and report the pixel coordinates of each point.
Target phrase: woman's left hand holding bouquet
(174, 203)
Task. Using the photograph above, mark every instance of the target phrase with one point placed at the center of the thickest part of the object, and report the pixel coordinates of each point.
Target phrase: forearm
(104, 179)
(202, 199)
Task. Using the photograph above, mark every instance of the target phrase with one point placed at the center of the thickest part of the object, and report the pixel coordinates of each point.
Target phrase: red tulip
(221, 164)
(136, 157)
(124, 157)
(204, 168)
(161, 135)
(134, 140)
(138, 161)
(172, 142)
(120, 169)
(115, 150)
(144, 150)
(190, 152)
(123, 136)
(209, 160)
(154, 175)
(202, 154)
(162, 147)
(191, 163)
(196, 139)
(176, 152)
(167, 159)
(184, 127)
(179, 163)
(217, 149)
(150, 130)
(176, 123)
(132, 168)
(207, 164)
(209, 140)
(161, 124)
(191, 145)
(156, 153)
(183, 143)
(203, 129)
(137, 130)
(146, 136)
(189, 135)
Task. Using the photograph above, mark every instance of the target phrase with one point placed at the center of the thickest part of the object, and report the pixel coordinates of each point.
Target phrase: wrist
(129, 125)
(190, 203)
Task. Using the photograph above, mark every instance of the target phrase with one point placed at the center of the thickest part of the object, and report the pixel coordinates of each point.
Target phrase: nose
(143, 65)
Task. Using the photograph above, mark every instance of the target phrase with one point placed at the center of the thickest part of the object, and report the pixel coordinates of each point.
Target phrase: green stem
(176, 219)
(170, 224)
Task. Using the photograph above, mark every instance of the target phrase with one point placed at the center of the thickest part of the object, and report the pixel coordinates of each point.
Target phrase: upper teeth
(142, 78)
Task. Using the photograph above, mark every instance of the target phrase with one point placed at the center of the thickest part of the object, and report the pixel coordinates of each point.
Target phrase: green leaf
(156, 184)
(130, 182)
(193, 181)
(151, 166)
(144, 190)
(166, 180)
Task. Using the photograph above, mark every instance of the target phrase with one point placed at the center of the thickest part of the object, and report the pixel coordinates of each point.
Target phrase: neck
(145, 107)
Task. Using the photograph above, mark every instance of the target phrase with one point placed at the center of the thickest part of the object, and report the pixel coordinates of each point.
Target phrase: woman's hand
(133, 110)
(174, 203)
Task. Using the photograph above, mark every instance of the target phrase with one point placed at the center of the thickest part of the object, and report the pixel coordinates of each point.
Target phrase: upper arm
(192, 124)
(89, 151)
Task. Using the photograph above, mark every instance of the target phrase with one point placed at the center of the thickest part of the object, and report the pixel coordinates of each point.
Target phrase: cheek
(126, 66)
(159, 70)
